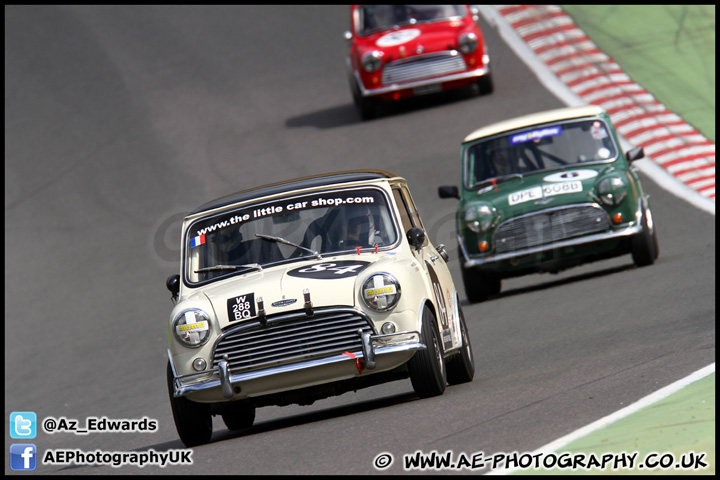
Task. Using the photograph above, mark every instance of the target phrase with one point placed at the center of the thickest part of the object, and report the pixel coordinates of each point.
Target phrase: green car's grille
(550, 226)
(291, 337)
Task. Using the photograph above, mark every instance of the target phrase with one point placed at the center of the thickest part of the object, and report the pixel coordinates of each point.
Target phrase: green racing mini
(545, 192)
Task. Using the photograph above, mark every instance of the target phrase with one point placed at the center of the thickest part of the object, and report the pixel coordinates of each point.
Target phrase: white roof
(534, 119)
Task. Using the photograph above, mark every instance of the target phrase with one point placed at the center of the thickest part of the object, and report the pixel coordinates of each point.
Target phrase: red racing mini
(402, 51)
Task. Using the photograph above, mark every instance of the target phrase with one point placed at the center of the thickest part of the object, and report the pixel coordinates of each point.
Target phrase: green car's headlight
(381, 292)
(192, 327)
(612, 191)
(480, 217)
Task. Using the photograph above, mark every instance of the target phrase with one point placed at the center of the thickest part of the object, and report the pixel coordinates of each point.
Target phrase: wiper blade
(504, 178)
(229, 267)
(288, 242)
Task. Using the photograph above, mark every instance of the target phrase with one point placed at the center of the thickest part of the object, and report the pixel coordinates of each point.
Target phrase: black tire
(485, 84)
(193, 420)
(645, 245)
(427, 367)
(367, 107)
(480, 286)
(239, 417)
(461, 367)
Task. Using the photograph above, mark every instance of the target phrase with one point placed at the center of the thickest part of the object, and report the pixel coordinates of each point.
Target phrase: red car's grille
(423, 66)
(550, 226)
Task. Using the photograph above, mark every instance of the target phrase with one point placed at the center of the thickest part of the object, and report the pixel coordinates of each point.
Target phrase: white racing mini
(306, 289)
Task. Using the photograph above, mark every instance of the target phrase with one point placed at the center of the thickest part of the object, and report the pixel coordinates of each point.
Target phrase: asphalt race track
(119, 120)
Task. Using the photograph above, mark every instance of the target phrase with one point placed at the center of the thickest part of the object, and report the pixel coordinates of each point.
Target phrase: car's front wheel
(645, 245)
(193, 420)
(485, 84)
(239, 417)
(427, 367)
(367, 107)
(479, 286)
(461, 367)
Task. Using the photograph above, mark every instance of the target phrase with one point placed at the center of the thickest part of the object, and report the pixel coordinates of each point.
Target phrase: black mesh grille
(550, 226)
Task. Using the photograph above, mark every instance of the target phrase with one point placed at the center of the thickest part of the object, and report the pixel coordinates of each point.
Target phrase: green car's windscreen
(540, 148)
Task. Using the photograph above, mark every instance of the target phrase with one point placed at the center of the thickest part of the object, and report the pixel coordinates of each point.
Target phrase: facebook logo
(22, 456)
(23, 425)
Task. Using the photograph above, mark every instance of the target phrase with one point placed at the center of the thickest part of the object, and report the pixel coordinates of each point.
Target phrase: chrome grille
(549, 226)
(423, 66)
(291, 337)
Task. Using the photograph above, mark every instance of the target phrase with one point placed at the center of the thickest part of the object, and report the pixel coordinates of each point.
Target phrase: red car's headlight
(468, 43)
(371, 61)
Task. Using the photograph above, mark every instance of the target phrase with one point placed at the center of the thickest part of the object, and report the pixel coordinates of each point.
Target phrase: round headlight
(381, 292)
(612, 191)
(479, 218)
(468, 43)
(192, 327)
(371, 61)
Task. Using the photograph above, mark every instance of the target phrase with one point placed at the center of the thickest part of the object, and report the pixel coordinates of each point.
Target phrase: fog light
(618, 217)
(199, 364)
(388, 327)
(483, 246)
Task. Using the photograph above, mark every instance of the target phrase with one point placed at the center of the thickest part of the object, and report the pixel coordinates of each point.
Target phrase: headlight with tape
(192, 327)
(612, 191)
(381, 292)
(480, 217)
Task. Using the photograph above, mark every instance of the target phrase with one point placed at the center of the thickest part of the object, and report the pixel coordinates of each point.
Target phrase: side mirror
(416, 237)
(635, 154)
(450, 191)
(173, 284)
(348, 37)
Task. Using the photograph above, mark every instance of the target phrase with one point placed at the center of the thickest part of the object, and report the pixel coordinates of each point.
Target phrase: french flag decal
(199, 240)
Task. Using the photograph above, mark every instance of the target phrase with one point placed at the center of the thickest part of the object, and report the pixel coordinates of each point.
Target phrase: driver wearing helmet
(502, 161)
(360, 230)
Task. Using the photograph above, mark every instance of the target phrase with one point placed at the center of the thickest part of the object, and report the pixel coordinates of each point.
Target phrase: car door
(434, 266)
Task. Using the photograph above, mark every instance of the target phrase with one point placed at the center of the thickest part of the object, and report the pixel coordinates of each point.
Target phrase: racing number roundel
(330, 270)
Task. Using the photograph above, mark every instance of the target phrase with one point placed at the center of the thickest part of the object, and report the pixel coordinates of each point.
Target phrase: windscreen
(545, 147)
(375, 18)
(255, 236)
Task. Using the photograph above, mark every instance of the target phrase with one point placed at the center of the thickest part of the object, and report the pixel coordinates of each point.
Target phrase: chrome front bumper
(222, 377)
(572, 242)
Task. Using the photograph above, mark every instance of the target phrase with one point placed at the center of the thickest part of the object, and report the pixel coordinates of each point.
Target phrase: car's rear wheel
(239, 417)
(479, 286)
(461, 367)
(193, 420)
(427, 367)
(645, 245)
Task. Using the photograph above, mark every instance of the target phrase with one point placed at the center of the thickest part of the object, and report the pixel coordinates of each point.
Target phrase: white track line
(620, 414)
